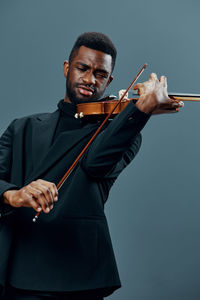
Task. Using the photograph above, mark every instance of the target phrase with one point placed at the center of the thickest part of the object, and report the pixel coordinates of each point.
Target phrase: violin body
(102, 108)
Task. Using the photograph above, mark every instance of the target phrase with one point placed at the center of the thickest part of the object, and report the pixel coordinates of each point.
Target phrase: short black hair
(97, 41)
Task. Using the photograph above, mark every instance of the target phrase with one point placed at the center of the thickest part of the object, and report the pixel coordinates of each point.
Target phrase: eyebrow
(97, 70)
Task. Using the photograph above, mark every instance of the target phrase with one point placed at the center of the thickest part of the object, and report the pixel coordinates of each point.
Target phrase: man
(67, 253)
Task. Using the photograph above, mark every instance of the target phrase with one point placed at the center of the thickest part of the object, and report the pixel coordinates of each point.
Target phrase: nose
(88, 78)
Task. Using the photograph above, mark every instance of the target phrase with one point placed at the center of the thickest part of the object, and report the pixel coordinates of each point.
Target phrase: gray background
(154, 207)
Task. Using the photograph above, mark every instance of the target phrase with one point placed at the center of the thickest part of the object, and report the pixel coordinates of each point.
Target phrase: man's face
(88, 75)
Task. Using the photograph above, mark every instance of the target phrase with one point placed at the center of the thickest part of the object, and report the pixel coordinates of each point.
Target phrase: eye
(101, 75)
(81, 69)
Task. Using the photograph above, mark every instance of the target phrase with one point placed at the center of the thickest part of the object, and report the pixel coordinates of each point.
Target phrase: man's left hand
(154, 98)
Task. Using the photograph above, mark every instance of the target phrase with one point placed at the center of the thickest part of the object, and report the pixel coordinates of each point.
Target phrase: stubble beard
(70, 89)
(71, 92)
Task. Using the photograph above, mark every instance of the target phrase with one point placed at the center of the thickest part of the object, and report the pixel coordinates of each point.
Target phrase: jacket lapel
(49, 153)
(42, 136)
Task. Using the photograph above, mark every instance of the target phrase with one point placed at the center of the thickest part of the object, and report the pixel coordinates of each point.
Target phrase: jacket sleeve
(117, 145)
(5, 168)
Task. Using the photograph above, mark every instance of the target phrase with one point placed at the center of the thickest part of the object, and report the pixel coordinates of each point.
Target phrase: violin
(106, 105)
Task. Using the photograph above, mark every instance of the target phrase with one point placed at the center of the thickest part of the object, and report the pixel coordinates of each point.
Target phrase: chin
(77, 99)
(84, 99)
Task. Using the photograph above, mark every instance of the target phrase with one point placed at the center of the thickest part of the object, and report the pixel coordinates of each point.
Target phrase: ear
(110, 80)
(65, 68)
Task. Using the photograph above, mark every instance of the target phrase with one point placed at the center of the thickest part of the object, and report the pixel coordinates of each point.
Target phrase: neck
(66, 99)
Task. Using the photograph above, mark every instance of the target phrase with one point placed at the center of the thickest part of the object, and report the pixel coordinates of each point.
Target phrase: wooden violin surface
(105, 107)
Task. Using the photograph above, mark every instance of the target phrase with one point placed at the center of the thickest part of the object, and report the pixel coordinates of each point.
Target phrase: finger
(46, 192)
(39, 197)
(137, 86)
(51, 186)
(171, 103)
(181, 104)
(163, 80)
(153, 76)
(168, 106)
(27, 200)
(165, 111)
(171, 111)
(141, 88)
(177, 104)
(35, 205)
(42, 194)
(47, 189)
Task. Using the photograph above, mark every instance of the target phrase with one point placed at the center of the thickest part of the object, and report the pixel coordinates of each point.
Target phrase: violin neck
(178, 97)
(184, 97)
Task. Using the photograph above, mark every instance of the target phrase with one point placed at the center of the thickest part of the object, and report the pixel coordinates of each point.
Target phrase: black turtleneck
(67, 121)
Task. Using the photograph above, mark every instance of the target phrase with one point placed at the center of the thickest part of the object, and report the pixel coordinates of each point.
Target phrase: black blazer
(68, 249)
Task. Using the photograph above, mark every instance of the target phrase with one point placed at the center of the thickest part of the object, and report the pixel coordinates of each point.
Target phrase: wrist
(7, 195)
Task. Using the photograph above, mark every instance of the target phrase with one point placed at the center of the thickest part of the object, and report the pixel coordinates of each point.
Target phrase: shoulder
(38, 116)
(23, 121)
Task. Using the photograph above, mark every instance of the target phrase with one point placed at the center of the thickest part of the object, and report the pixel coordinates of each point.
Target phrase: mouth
(85, 91)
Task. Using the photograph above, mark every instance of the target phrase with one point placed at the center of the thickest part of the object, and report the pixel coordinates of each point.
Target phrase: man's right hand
(39, 194)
